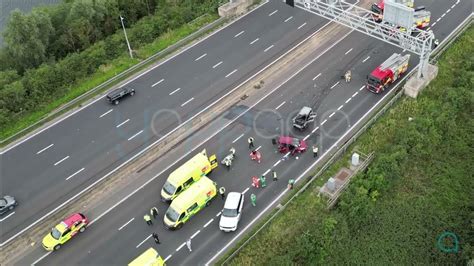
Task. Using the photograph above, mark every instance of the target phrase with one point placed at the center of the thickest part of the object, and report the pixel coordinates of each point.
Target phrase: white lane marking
(129, 221)
(4, 218)
(161, 80)
(42, 150)
(361, 88)
(106, 113)
(245, 190)
(281, 104)
(138, 133)
(443, 15)
(175, 91)
(288, 19)
(71, 176)
(317, 76)
(268, 48)
(307, 136)
(258, 148)
(331, 115)
(271, 14)
(340, 107)
(123, 123)
(41, 258)
(62, 160)
(218, 214)
(332, 87)
(438, 19)
(277, 163)
(324, 122)
(199, 58)
(266, 172)
(254, 41)
(216, 65)
(355, 94)
(457, 2)
(195, 234)
(447, 11)
(302, 25)
(348, 51)
(180, 246)
(453, 5)
(348, 100)
(238, 34)
(314, 130)
(169, 257)
(434, 23)
(146, 72)
(208, 223)
(143, 241)
(186, 102)
(367, 58)
(233, 71)
(235, 140)
(75, 196)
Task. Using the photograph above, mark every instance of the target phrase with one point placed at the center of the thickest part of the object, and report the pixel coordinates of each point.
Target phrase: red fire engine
(387, 72)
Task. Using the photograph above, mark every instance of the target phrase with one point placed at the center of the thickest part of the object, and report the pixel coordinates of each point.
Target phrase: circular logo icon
(448, 242)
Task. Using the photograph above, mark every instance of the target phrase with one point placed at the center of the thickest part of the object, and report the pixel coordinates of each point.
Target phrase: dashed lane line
(332, 87)
(216, 65)
(169, 257)
(233, 71)
(355, 94)
(361, 88)
(288, 19)
(281, 104)
(348, 51)
(277, 163)
(62, 160)
(268, 48)
(4, 218)
(236, 139)
(314, 130)
(324, 122)
(45, 148)
(180, 247)
(340, 107)
(271, 14)
(348, 100)
(106, 113)
(129, 221)
(77, 172)
(161, 80)
(186, 102)
(143, 241)
(317, 76)
(195, 234)
(254, 41)
(136, 134)
(218, 214)
(238, 34)
(200, 57)
(175, 91)
(123, 123)
(302, 25)
(208, 223)
(258, 148)
(245, 190)
(367, 58)
(332, 114)
(266, 172)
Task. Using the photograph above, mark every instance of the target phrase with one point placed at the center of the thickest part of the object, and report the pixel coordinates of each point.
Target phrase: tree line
(49, 49)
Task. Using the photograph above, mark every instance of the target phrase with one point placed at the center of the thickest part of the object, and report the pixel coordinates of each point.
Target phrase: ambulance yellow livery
(148, 258)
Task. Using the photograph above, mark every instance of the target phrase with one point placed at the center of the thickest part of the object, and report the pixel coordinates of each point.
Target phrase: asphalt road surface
(50, 168)
(121, 234)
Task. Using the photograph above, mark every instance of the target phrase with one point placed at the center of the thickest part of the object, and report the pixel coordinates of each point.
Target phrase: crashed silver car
(7, 203)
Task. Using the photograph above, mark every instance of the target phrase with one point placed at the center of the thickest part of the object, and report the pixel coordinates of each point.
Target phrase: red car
(292, 145)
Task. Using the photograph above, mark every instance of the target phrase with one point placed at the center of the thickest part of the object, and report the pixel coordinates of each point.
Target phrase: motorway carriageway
(121, 234)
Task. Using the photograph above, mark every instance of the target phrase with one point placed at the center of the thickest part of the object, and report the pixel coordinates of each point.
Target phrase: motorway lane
(360, 101)
(97, 139)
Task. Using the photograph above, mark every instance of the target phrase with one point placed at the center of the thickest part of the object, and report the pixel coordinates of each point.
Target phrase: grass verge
(419, 187)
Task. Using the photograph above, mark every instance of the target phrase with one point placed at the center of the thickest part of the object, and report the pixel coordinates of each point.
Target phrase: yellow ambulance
(148, 258)
(180, 179)
(190, 202)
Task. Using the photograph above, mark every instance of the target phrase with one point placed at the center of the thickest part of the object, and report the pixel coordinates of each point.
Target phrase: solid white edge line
(42, 150)
(268, 48)
(302, 25)
(235, 140)
(4, 218)
(181, 246)
(71, 176)
(175, 91)
(281, 104)
(186, 102)
(217, 254)
(136, 134)
(190, 119)
(201, 57)
(208, 223)
(161, 80)
(133, 79)
(106, 113)
(62, 160)
(238, 34)
(143, 241)
(195, 234)
(123, 123)
(129, 221)
(216, 65)
(245, 190)
(233, 71)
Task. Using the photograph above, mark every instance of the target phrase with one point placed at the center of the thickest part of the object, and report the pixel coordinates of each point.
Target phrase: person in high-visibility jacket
(347, 76)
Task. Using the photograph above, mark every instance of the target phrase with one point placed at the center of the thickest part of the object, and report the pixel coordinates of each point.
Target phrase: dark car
(7, 203)
(117, 94)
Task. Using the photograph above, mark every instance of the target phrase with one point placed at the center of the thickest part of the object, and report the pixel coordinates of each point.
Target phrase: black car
(117, 94)
(7, 203)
